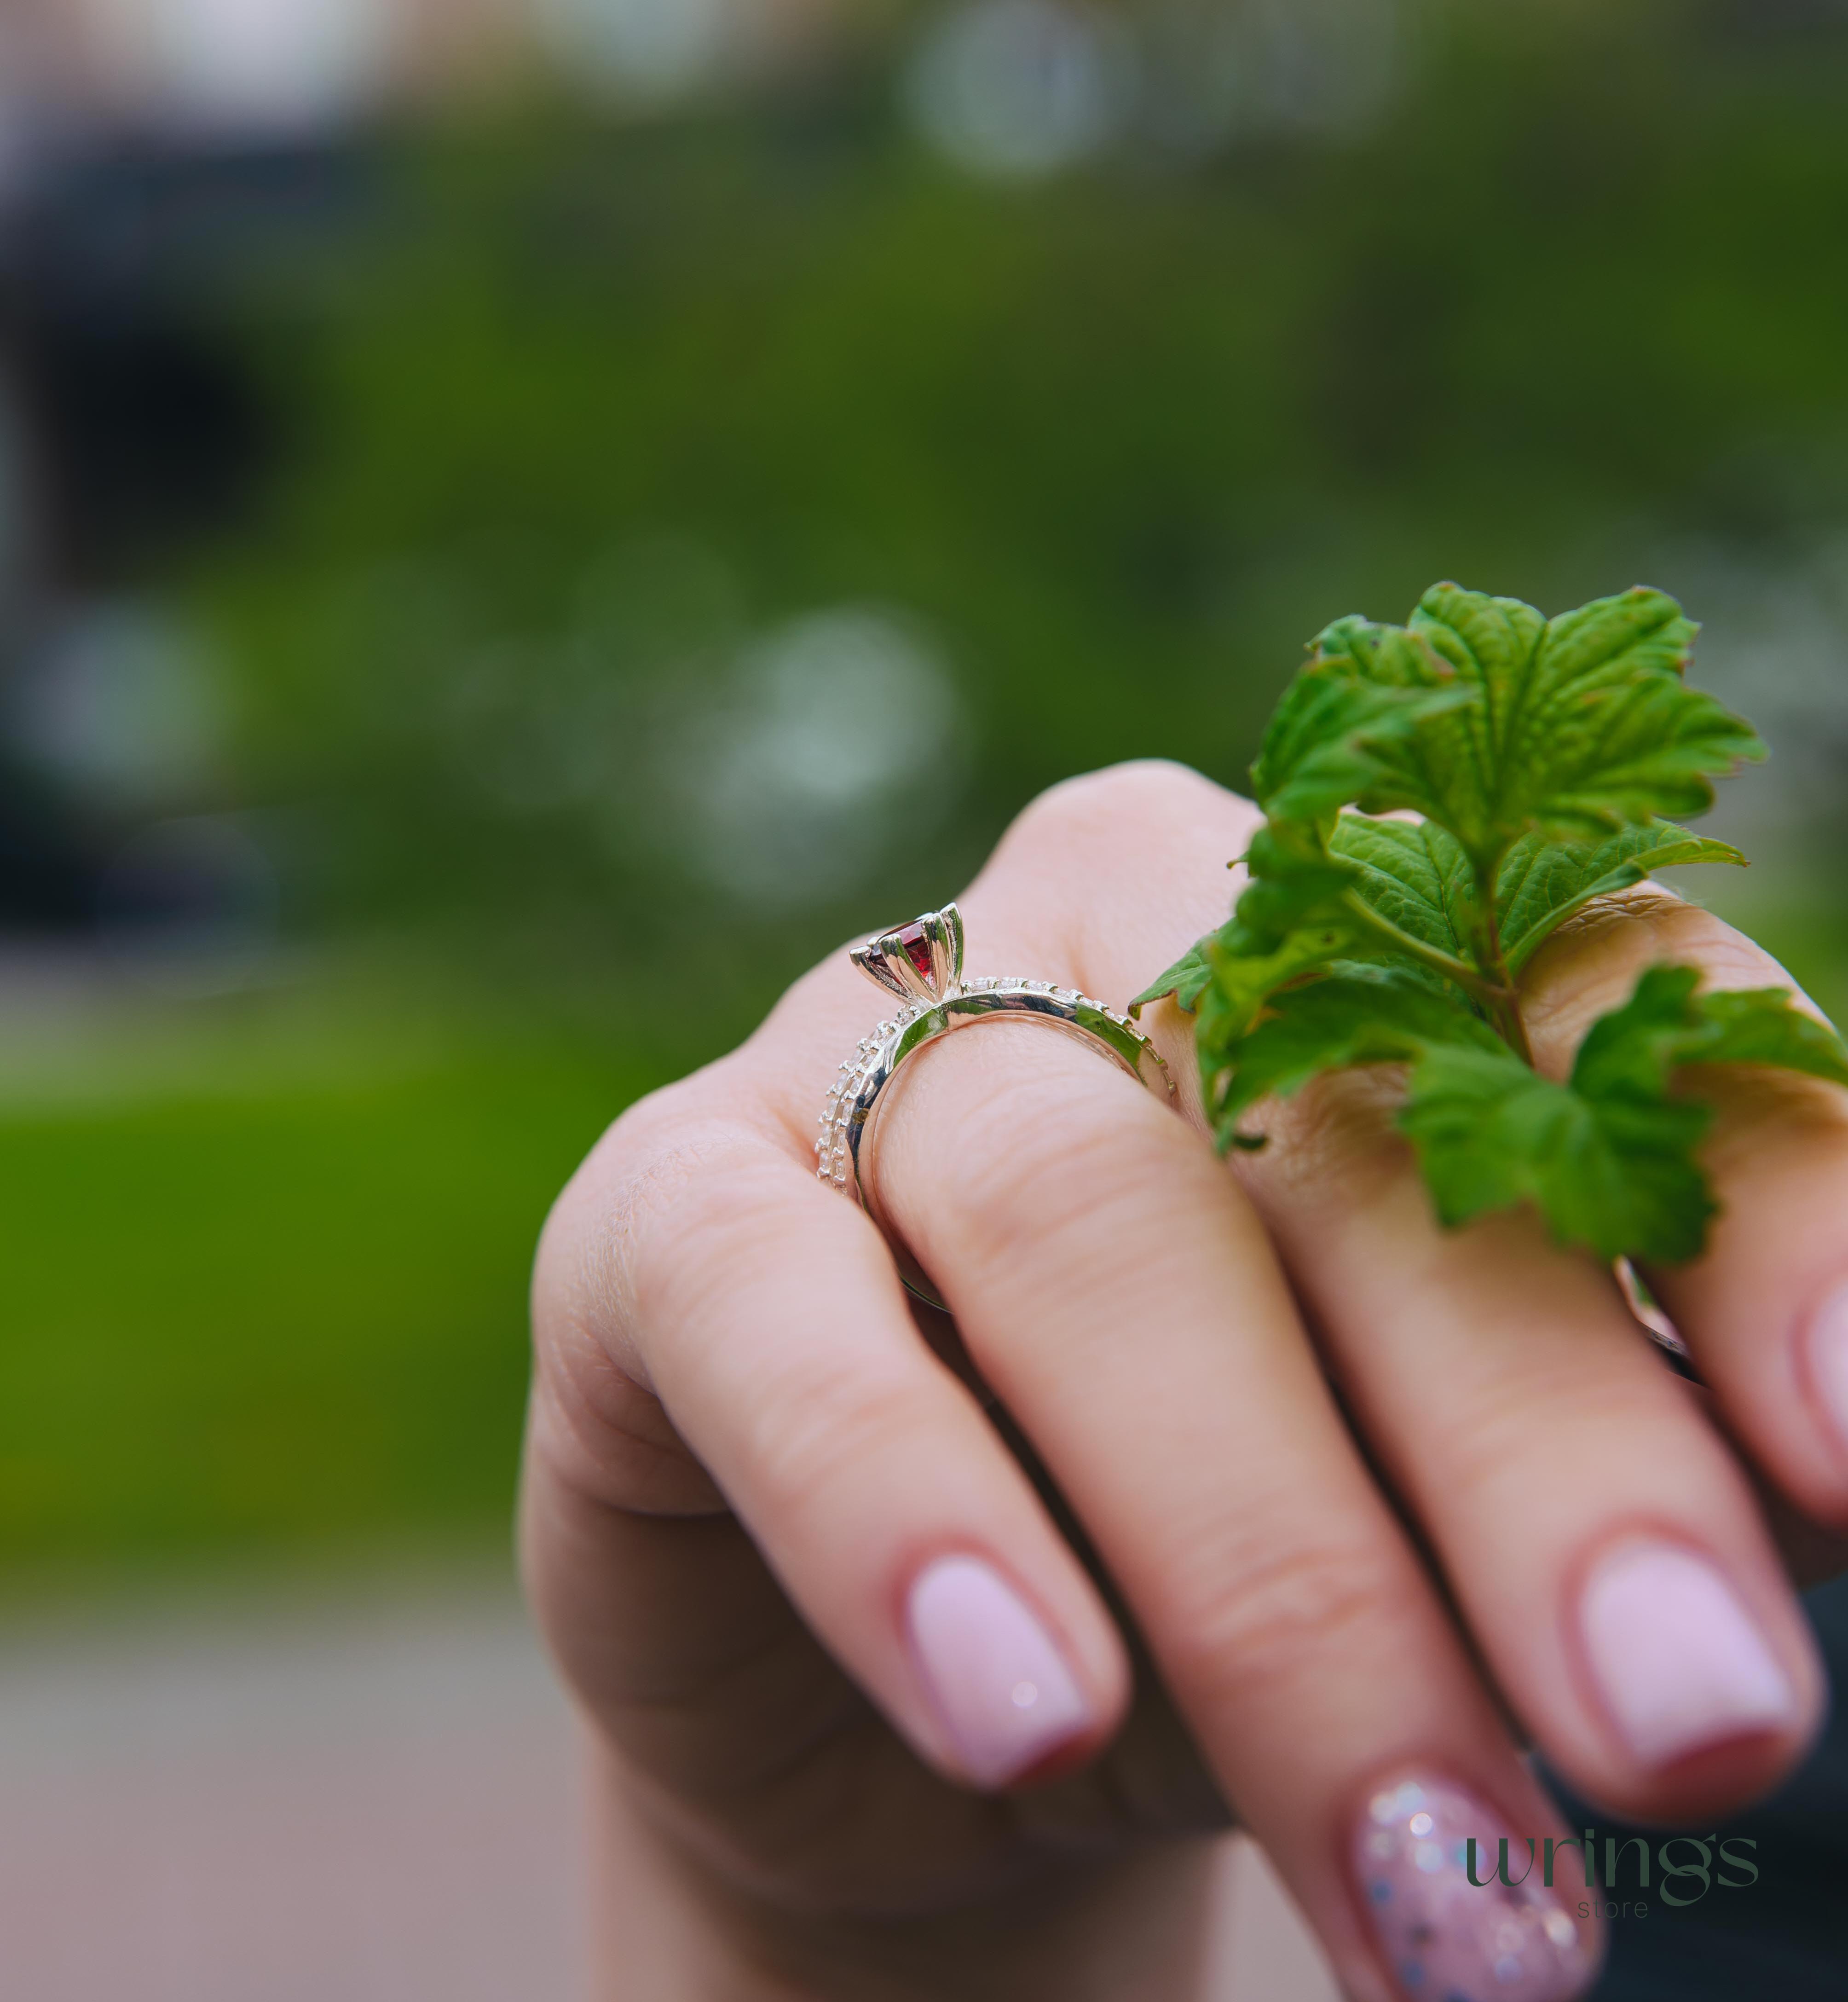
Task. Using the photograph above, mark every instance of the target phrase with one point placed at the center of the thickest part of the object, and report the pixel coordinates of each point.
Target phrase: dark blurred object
(47, 872)
(117, 263)
(136, 426)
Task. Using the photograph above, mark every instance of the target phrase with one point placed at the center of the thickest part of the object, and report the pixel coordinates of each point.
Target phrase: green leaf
(1537, 758)
(1241, 986)
(1666, 1024)
(1412, 874)
(1323, 746)
(1763, 1026)
(1573, 727)
(1634, 1048)
(1295, 883)
(1360, 1014)
(1543, 883)
(1387, 656)
(1585, 723)
(1184, 979)
(1419, 879)
(1609, 1157)
(1615, 1173)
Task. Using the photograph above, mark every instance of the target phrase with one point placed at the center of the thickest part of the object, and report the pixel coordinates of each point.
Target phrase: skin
(1303, 1485)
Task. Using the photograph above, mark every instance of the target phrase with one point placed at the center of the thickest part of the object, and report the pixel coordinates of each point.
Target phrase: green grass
(260, 1311)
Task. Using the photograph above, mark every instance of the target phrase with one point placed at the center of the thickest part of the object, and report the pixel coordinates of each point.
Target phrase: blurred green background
(622, 548)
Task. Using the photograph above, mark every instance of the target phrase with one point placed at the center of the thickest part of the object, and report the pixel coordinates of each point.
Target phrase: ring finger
(1121, 1298)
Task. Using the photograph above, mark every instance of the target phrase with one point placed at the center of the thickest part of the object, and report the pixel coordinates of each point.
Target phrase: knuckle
(1251, 1615)
(1334, 1147)
(1591, 963)
(700, 1218)
(647, 1207)
(1096, 806)
(582, 1269)
(1774, 1123)
(692, 1211)
(1057, 1175)
(1494, 1437)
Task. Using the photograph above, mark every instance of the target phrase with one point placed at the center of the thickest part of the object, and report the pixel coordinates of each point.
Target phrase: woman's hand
(825, 1608)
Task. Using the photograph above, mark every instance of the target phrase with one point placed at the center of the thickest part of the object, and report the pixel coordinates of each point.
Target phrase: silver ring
(922, 964)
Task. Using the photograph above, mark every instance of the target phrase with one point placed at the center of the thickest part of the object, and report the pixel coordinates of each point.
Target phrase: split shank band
(921, 965)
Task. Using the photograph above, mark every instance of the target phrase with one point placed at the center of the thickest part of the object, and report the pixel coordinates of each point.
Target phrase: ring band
(922, 964)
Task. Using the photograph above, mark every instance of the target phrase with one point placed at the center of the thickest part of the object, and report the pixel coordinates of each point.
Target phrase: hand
(825, 1611)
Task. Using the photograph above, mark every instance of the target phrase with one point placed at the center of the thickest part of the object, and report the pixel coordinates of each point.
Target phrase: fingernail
(1829, 1360)
(1000, 1688)
(1679, 1659)
(1446, 1938)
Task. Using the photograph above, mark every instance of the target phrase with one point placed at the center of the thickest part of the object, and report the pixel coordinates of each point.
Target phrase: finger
(761, 1312)
(1481, 1379)
(1121, 1296)
(1766, 1307)
(1600, 1540)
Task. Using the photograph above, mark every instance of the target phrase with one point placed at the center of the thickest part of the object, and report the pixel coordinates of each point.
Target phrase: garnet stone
(914, 942)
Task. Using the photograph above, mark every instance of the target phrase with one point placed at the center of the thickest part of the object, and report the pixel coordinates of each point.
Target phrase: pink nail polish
(1446, 1938)
(1679, 1659)
(1000, 1687)
(1829, 1360)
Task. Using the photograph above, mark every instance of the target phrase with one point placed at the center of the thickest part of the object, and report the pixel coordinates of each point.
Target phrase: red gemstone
(914, 942)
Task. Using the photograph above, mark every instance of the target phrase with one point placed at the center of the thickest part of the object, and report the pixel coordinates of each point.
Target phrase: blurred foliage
(583, 412)
(591, 404)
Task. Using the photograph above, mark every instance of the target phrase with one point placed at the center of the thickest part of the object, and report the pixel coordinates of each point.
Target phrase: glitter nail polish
(1446, 1939)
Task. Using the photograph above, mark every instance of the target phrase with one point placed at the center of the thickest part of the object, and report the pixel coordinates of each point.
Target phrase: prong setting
(922, 964)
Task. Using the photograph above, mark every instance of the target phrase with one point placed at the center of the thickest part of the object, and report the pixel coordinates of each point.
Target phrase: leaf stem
(1506, 1004)
(1502, 997)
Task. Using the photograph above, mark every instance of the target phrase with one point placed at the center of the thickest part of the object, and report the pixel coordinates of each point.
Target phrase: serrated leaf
(1295, 883)
(1360, 1014)
(1574, 725)
(1293, 917)
(1634, 1049)
(1585, 723)
(1667, 1023)
(1609, 1156)
(1537, 758)
(1762, 1025)
(1616, 1175)
(1323, 747)
(1243, 985)
(1184, 980)
(1417, 878)
(1541, 883)
(1412, 874)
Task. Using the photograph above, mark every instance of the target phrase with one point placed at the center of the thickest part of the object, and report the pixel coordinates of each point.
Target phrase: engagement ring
(921, 965)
